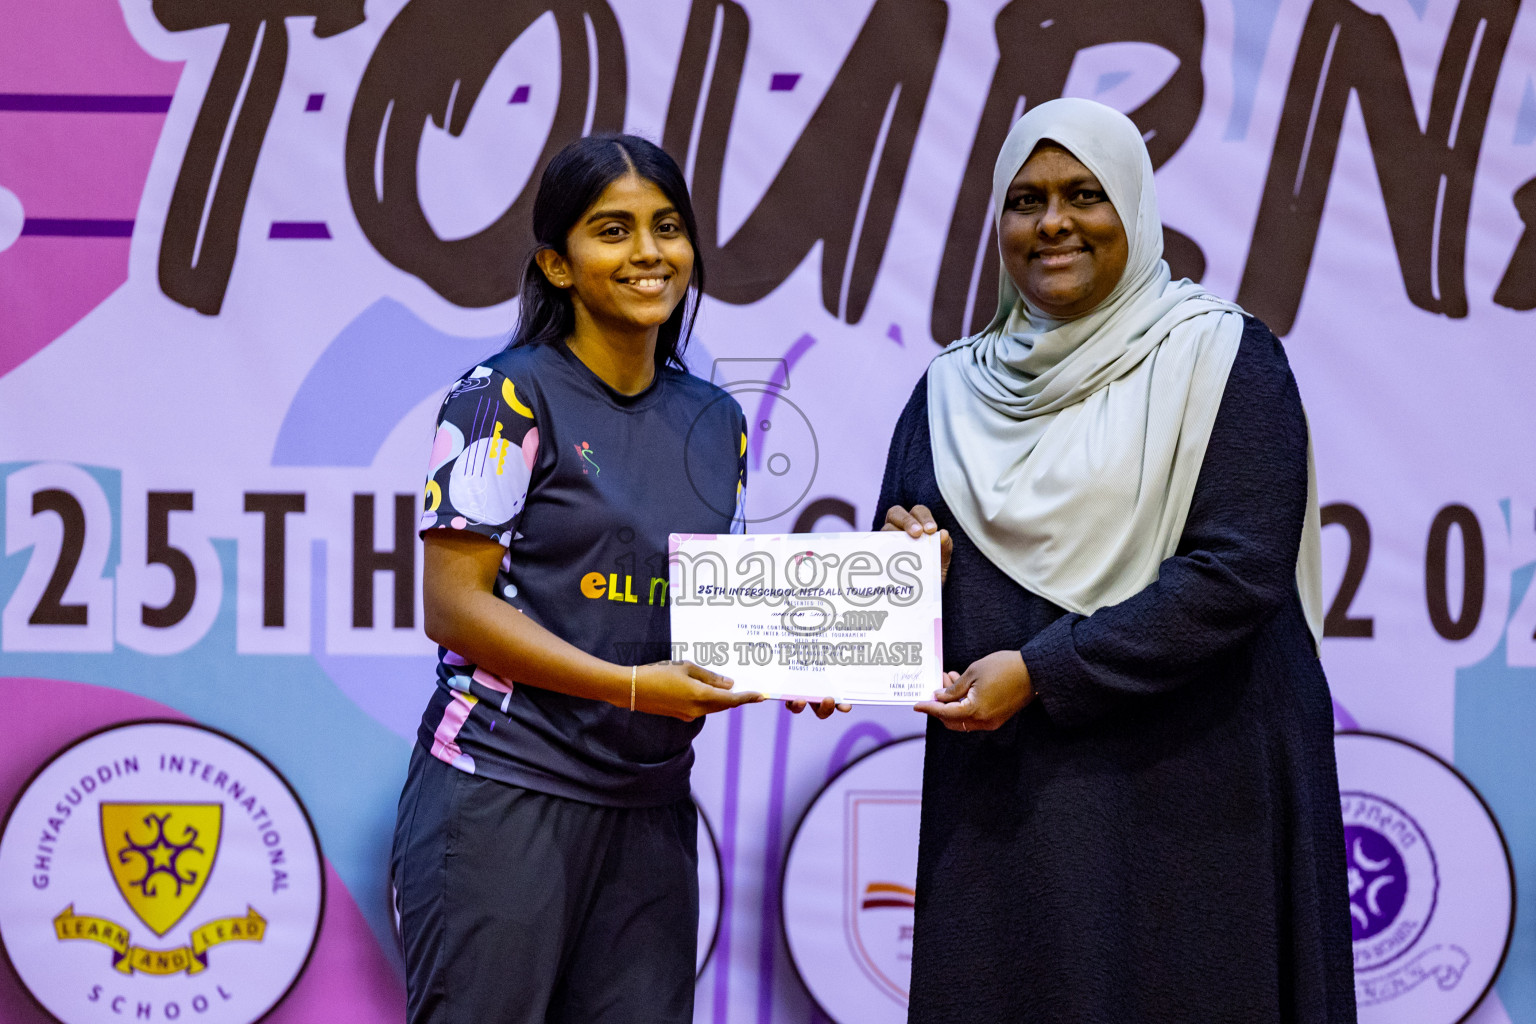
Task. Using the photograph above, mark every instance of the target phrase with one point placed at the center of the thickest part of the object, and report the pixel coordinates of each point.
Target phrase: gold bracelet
(632, 670)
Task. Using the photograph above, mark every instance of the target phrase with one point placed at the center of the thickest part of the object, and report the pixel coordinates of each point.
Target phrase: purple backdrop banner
(244, 249)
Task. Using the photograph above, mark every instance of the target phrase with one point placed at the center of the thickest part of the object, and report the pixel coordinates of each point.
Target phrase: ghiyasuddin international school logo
(160, 856)
(156, 870)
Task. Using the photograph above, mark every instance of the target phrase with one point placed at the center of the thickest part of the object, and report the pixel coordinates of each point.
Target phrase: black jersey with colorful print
(581, 484)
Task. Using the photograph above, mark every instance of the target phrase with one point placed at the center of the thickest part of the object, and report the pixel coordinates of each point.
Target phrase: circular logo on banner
(849, 882)
(1385, 848)
(711, 891)
(1431, 886)
(159, 870)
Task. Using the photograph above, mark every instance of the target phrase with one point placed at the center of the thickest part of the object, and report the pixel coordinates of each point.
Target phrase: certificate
(854, 616)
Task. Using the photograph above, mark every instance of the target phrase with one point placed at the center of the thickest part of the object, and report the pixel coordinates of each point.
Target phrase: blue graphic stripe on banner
(76, 227)
(1255, 24)
(77, 103)
(401, 359)
(1494, 719)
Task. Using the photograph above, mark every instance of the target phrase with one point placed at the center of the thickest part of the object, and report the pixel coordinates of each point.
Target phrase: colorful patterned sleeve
(739, 520)
(482, 458)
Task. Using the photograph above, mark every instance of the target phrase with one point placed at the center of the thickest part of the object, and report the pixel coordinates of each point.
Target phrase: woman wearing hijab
(1130, 806)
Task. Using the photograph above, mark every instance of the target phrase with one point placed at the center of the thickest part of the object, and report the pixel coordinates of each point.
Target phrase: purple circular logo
(1378, 881)
(1394, 882)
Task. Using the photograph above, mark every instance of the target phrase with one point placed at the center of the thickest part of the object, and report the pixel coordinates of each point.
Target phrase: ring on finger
(965, 726)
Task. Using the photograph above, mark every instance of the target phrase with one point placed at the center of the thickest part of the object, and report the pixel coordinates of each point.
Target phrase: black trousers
(517, 907)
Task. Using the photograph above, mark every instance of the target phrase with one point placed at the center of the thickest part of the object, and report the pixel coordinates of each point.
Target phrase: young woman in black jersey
(545, 849)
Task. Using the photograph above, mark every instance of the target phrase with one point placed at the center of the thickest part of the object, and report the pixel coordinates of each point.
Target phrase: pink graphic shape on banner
(81, 108)
(347, 979)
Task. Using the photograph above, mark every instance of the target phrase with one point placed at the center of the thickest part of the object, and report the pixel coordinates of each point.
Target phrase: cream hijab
(1069, 450)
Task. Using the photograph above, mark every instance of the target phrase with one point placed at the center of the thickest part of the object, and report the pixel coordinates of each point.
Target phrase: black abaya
(1156, 838)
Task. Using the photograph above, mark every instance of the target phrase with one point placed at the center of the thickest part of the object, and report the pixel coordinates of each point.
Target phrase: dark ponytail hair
(572, 182)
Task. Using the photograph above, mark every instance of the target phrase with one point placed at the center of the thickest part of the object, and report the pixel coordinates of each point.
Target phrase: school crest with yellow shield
(159, 865)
